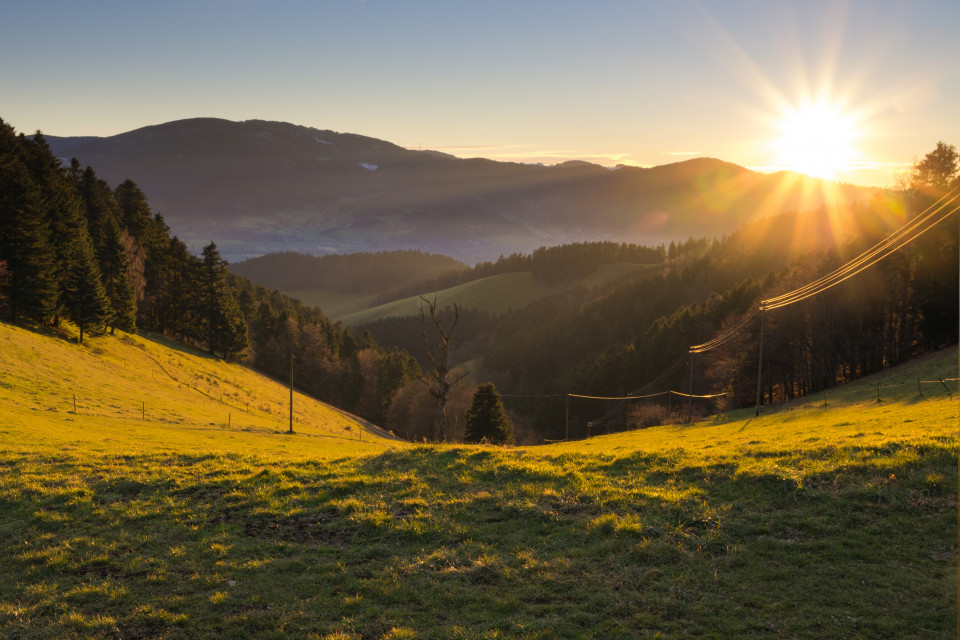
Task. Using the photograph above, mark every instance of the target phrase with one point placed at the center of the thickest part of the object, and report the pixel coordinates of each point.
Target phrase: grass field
(132, 393)
(495, 294)
(803, 523)
(334, 304)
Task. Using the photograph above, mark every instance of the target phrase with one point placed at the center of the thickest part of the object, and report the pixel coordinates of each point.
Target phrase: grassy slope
(188, 399)
(803, 523)
(333, 303)
(494, 293)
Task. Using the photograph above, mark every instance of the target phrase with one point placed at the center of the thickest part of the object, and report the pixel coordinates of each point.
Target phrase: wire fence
(243, 411)
(591, 417)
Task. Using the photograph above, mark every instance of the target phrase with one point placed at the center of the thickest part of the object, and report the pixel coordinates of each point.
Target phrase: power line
(727, 335)
(892, 243)
(904, 235)
(652, 395)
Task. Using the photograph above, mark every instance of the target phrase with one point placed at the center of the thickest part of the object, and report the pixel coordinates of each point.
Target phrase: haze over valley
(260, 187)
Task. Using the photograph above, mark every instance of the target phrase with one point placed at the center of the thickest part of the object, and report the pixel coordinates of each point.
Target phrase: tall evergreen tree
(62, 208)
(4, 282)
(98, 205)
(32, 290)
(224, 328)
(116, 278)
(135, 215)
(487, 419)
(86, 301)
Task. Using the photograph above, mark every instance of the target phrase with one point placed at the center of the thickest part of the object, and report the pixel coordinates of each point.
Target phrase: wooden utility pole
(760, 365)
(291, 394)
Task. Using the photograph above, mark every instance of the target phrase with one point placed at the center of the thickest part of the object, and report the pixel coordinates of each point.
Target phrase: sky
(855, 91)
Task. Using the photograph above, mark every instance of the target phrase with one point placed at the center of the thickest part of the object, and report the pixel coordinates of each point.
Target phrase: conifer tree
(4, 282)
(224, 328)
(61, 206)
(135, 215)
(86, 301)
(32, 289)
(116, 278)
(487, 419)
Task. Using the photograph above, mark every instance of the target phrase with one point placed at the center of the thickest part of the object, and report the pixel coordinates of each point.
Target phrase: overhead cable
(903, 236)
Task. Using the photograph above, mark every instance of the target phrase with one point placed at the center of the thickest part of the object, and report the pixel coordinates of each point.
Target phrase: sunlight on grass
(803, 523)
(132, 393)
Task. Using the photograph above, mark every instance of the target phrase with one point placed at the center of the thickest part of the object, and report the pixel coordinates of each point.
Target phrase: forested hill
(621, 338)
(74, 249)
(262, 187)
(562, 265)
(349, 273)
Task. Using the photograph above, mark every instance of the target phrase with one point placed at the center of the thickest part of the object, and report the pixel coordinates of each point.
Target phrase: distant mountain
(350, 273)
(258, 187)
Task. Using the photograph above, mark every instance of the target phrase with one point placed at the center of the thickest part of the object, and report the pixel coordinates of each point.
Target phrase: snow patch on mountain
(368, 166)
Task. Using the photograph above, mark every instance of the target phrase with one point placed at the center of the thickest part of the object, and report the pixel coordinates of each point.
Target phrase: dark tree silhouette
(438, 378)
(86, 302)
(223, 328)
(487, 419)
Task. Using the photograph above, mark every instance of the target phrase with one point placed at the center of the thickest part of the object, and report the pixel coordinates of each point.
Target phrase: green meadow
(495, 294)
(334, 304)
(175, 521)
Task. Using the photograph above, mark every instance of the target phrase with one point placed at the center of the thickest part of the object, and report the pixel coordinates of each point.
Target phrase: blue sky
(642, 83)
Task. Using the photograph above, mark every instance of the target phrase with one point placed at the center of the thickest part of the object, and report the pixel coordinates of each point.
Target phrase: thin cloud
(532, 155)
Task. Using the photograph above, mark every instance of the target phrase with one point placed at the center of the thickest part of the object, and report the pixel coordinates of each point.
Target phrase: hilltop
(260, 187)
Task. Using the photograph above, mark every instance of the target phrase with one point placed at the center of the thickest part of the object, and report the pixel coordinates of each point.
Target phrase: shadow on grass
(486, 539)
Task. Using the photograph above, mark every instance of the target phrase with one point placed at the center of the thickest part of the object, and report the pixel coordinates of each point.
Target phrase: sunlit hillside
(130, 393)
(494, 294)
(917, 402)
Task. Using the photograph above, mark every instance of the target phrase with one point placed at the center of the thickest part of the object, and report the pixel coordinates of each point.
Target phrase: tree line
(613, 340)
(558, 265)
(74, 249)
(78, 250)
(346, 273)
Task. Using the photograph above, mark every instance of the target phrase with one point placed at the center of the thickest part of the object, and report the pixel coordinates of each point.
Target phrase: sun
(817, 139)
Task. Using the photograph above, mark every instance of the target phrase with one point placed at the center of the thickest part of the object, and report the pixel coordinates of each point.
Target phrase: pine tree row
(60, 239)
(72, 248)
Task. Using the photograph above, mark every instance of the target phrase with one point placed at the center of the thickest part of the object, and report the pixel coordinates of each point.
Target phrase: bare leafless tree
(438, 379)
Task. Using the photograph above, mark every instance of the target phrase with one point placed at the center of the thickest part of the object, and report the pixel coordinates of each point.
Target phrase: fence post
(291, 394)
(566, 418)
(74, 403)
(878, 392)
(919, 387)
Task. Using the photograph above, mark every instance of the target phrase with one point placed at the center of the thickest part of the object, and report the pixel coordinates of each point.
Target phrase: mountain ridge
(260, 186)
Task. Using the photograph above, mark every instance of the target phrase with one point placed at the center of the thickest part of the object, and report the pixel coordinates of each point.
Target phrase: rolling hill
(493, 294)
(258, 187)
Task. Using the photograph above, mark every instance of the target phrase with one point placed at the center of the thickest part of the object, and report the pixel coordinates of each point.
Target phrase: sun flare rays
(817, 139)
